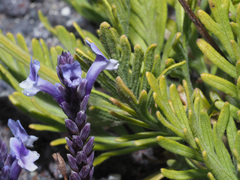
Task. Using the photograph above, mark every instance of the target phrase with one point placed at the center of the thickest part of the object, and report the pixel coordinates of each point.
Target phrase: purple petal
(84, 103)
(70, 146)
(5, 172)
(20, 133)
(64, 58)
(33, 84)
(25, 157)
(72, 162)
(74, 176)
(15, 170)
(71, 126)
(85, 171)
(81, 157)
(85, 131)
(77, 142)
(71, 74)
(88, 147)
(3, 151)
(101, 63)
(90, 159)
(81, 119)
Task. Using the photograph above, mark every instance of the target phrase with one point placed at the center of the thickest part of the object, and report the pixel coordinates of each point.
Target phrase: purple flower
(68, 70)
(20, 157)
(25, 158)
(101, 63)
(33, 84)
(20, 133)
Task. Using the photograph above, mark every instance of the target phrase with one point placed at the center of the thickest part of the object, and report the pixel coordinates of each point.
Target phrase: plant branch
(201, 29)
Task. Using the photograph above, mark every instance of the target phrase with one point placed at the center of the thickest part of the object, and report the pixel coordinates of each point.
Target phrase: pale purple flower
(25, 158)
(20, 133)
(101, 63)
(33, 84)
(68, 70)
(20, 157)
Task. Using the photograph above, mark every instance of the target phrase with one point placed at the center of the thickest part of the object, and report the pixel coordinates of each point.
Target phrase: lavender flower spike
(72, 95)
(33, 84)
(101, 63)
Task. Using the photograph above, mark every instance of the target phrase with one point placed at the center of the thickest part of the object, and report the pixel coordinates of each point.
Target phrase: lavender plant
(154, 92)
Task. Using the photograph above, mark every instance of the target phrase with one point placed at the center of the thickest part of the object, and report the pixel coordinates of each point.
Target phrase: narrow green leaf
(178, 148)
(148, 64)
(233, 109)
(129, 119)
(167, 124)
(21, 42)
(237, 142)
(188, 174)
(231, 133)
(136, 68)
(220, 84)
(124, 92)
(8, 77)
(216, 58)
(37, 51)
(41, 127)
(123, 69)
(110, 40)
(222, 152)
(98, 160)
(206, 132)
(223, 119)
(57, 142)
(140, 135)
(212, 162)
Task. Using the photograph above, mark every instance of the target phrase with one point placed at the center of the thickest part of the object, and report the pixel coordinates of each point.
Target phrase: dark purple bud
(70, 146)
(67, 110)
(71, 126)
(3, 151)
(1, 164)
(72, 162)
(90, 158)
(15, 170)
(88, 146)
(84, 171)
(81, 157)
(5, 172)
(77, 142)
(62, 91)
(65, 58)
(81, 89)
(69, 71)
(84, 103)
(9, 160)
(91, 173)
(81, 118)
(74, 176)
(85, 131)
